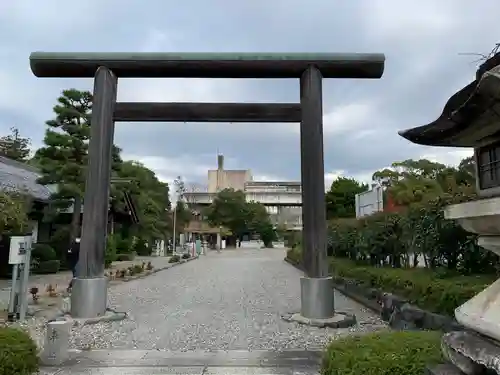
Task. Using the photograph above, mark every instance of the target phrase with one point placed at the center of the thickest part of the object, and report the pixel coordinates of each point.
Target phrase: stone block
(55, 350)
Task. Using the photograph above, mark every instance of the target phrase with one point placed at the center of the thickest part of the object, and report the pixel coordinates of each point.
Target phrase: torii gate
(89, 297)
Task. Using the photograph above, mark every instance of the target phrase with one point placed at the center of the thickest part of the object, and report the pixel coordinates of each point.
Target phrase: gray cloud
(422, 41)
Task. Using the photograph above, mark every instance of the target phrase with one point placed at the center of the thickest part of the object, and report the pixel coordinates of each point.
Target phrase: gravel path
(226, 301)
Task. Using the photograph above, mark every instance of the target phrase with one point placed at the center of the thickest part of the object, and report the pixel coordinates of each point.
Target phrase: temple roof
(22, 178)
(471, 117)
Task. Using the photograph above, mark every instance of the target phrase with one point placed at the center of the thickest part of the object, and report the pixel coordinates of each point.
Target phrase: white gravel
(222, 301)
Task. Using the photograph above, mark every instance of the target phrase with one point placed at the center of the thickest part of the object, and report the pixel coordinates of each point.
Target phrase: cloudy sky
(426, 44)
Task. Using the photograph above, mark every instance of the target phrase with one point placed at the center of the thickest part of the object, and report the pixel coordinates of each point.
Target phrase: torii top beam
(207, 65)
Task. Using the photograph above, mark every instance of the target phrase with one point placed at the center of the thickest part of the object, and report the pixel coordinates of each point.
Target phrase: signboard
(369, 202)
(19, 245)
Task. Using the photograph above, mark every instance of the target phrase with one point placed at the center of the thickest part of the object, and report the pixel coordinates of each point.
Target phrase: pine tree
(63, 160)
(14, 146)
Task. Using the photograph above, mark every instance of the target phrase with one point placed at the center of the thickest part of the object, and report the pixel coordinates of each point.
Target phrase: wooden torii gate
(89, 296)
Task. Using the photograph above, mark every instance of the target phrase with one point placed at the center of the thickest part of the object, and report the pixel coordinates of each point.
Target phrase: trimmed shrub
(110, 254)
(18, 352)
(46, 267)
(383, 353)
(137, 268)
(423, 287)
(125, 257)
(43, 252)
(174, 259)
(295, 254)
(186, 256)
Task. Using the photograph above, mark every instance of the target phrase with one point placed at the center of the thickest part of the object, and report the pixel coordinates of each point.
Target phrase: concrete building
(282, 199)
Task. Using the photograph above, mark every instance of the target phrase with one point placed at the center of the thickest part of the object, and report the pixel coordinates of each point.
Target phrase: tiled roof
(470, 117)
(22, 178)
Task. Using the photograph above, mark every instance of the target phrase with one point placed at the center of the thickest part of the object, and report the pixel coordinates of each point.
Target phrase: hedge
(383, 353)
(18, 352)
(425, 288)
(416, 234)
(125, 257)
(47, 267)
(43, 252)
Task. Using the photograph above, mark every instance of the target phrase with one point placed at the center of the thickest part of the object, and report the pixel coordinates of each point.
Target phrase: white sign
(19, 245)
(370, 202)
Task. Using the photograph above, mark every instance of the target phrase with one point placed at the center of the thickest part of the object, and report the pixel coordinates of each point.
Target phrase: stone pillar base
(89, 297)
(317, 298)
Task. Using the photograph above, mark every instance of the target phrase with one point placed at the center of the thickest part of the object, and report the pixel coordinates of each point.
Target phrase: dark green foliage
(295, 254)
(230, 210)
(48, 266)
(13, 213)
(141, 248)
(186, 256)
(397, 240)
(151, 198)
(174, 259)
(428, 289)
(125, 257)
(110, 255)
(137, 268)
(63, 159)
(383, 353)
(43, 252)
(15, 147)
(341, 198)
(18, 352)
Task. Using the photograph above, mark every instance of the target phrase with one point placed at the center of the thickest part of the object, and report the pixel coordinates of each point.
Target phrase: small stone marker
(55, 350)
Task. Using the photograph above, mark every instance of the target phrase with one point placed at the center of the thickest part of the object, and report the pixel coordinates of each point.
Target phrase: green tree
(341, 198)
(63, 159)
(258, 221)
(151, 197)
(229, 209)
(416, 182)
(14, 146)
(13, 213)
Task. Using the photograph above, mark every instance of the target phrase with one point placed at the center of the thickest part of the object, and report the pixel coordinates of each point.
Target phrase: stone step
(152, 362)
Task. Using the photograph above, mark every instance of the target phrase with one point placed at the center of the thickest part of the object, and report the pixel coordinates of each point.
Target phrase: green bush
(186, 256)
(137, 268)
(401, 239)
(18, 352)
(125, 257)
(383, 353)
(124, 245)
(174, 259)
(47, 267)
(423, 287)
(110, 254)
(295, 254)
(43, 252)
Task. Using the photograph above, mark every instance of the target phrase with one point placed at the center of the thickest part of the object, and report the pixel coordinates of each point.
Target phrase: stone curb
(153, 271)
(397, 311)
(339, 320)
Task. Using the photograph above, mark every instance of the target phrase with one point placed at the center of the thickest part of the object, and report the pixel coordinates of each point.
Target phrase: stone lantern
(471, 118)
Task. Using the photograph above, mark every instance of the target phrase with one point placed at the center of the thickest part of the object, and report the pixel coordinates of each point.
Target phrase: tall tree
(341, 198)
(14, 146)
(231, 210)
(63, 159)
(182, 212)
(411, 182)
(151, 197)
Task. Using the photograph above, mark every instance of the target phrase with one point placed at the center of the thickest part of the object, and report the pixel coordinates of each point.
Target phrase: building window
(488, 159)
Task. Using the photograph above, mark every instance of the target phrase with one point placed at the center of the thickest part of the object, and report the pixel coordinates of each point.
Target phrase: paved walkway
(230, 301)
